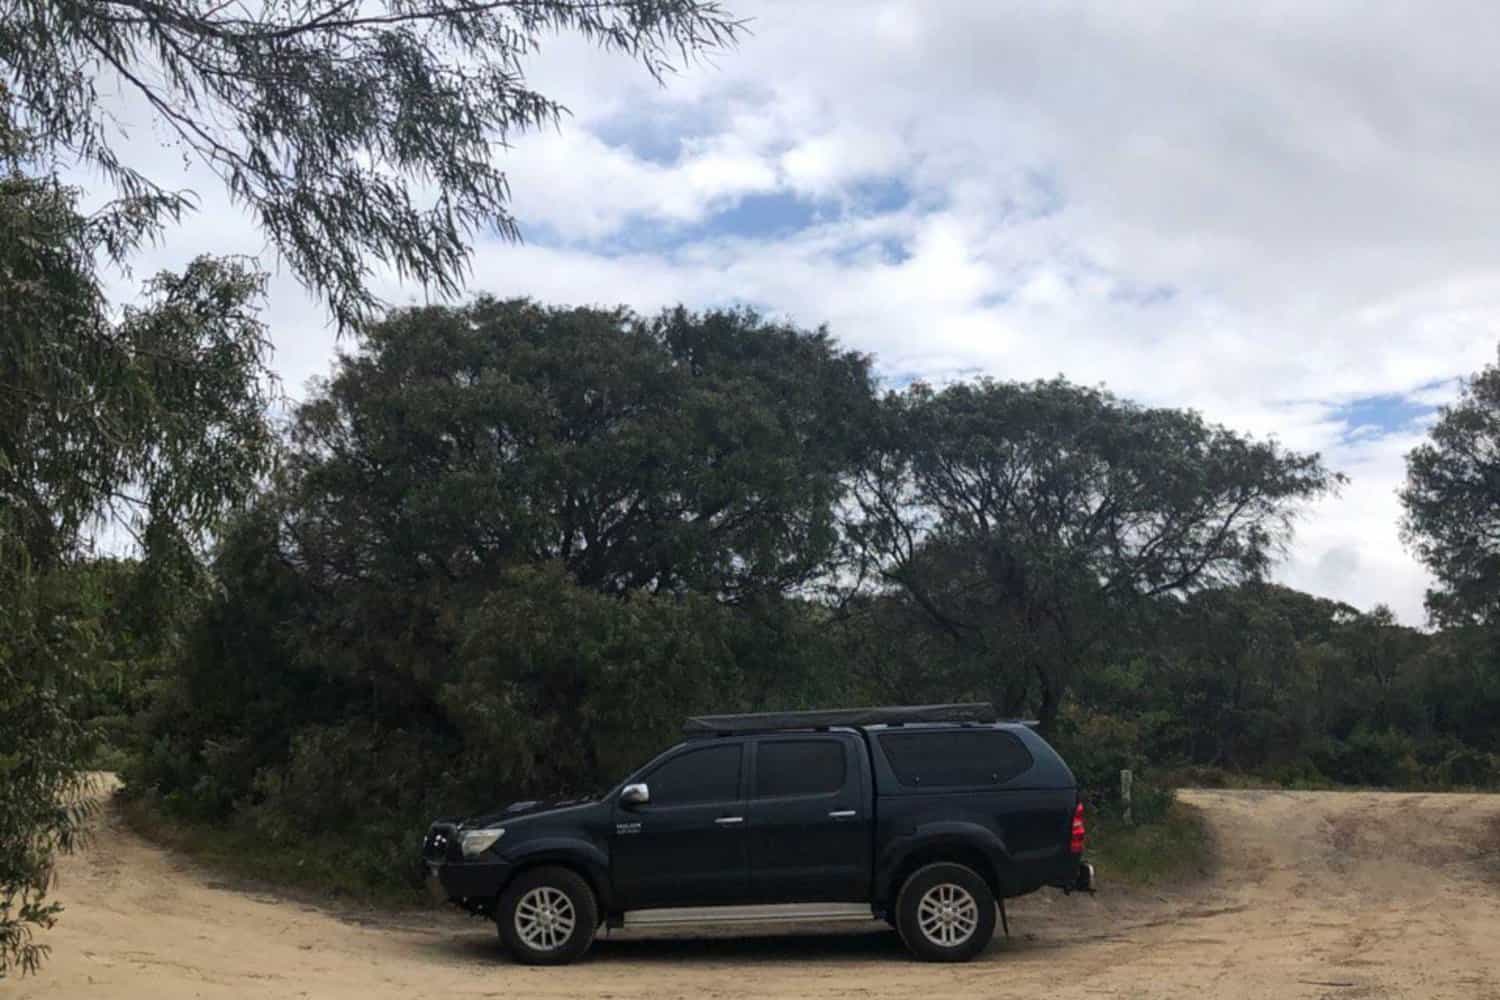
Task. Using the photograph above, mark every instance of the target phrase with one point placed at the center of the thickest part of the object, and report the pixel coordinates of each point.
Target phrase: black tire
(559, 919)
(959, 915)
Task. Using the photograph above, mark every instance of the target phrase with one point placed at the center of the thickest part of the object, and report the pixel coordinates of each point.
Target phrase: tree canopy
(1029, 520)
(1452, 505)
(355, 133)
(681, 452)
(508, 545)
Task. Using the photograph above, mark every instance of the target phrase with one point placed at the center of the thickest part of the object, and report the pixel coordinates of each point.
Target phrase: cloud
(1279, 214)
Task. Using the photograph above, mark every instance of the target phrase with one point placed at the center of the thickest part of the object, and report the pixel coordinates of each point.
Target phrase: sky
(1279, 214)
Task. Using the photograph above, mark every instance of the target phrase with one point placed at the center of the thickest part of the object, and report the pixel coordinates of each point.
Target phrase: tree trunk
(1009, 695)
(1051, 702)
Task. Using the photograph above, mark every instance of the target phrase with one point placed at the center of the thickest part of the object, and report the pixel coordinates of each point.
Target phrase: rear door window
(949, 758)
(799, 767)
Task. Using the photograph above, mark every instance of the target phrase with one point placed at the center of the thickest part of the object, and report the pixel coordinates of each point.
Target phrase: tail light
(1075, 843)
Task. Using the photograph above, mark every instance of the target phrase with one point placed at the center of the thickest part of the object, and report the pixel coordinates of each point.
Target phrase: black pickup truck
(926, 817)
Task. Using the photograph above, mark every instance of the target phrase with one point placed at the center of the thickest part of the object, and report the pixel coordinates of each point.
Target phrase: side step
(763, 914)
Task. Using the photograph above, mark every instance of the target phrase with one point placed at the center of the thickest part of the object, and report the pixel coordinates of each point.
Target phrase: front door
(686, 847)
(810, 823)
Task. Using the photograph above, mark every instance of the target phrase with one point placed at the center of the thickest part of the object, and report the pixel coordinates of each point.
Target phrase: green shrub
(1200, 776)
(1097, 748)
(1297, 773)
(1384, 757)
(1467, 767)
(1175, 847)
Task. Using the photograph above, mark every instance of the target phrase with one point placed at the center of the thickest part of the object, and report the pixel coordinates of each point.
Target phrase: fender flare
(572, 852)
(964, 835)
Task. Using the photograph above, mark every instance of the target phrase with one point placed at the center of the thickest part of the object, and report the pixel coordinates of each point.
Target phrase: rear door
(809, 819)
(686, 847)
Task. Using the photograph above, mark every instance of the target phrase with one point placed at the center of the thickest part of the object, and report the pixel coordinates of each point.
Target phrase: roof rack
(891, 715)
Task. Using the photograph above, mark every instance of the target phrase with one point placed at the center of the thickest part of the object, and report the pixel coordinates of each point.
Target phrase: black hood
(527, 808)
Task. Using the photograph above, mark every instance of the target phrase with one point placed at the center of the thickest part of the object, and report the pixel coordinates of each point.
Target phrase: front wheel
(945, 913)
(547, 916)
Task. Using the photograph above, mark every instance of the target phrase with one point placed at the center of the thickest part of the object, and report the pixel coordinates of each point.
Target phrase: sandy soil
(1342, 895)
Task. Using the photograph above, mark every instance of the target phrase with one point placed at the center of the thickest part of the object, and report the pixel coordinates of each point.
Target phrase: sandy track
(1340, 895)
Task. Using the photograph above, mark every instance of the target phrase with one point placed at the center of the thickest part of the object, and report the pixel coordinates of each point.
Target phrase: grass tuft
(1176, 849)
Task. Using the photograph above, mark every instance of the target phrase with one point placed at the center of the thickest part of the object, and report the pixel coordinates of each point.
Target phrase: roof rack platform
(891, 715)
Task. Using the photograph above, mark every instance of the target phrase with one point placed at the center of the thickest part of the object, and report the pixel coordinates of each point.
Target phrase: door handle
(843, 814)
(729, 820)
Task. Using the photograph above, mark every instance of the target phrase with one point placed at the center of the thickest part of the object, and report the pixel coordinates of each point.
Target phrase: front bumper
(448, 881)
(473, 883)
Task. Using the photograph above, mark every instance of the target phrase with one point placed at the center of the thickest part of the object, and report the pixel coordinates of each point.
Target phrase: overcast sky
(1282, 215)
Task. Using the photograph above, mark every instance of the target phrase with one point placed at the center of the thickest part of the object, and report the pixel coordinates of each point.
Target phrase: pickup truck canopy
(890, 715)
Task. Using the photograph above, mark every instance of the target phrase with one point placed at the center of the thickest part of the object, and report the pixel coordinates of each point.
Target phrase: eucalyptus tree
(1452, 505)
(1028, 521)
(151, 418)
(356, 132)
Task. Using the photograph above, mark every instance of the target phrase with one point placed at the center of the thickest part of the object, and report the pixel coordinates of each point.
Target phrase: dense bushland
(509, 547)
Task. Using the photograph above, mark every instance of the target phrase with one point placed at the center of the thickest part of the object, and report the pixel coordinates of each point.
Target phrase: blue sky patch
(895, 251)
(880, 196)
(763, 216)
(751, 217)
(899, 381)
(1380, 415)
(657, 138)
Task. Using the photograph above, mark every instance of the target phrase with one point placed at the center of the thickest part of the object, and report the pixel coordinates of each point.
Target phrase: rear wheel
(945, 912)
(547, 916)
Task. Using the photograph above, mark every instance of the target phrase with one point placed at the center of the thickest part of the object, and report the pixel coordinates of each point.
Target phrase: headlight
(476, 842)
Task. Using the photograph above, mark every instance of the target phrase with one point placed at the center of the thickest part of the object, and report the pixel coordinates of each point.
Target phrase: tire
(547, 916)
(945, 912)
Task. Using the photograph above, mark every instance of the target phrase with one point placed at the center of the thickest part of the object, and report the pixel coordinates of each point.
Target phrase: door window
(799, 767)
(711, 774)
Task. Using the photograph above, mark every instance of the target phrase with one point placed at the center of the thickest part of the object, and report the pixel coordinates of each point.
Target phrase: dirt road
(1344, 895)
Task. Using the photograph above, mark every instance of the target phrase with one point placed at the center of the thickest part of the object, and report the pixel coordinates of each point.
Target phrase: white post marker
(1125, 780)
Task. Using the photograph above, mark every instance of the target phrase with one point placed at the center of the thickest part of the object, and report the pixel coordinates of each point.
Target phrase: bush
(1469, 768)
(1097, 748)
(1201, 776)
(1382, 757)
(1298, 773)
(1175, 847)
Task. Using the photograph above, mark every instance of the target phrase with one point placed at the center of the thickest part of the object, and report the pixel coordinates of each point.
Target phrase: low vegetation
(322, 872)
(1175, 848)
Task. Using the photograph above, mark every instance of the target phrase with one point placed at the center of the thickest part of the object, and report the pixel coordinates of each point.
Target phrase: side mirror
(635, 795)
